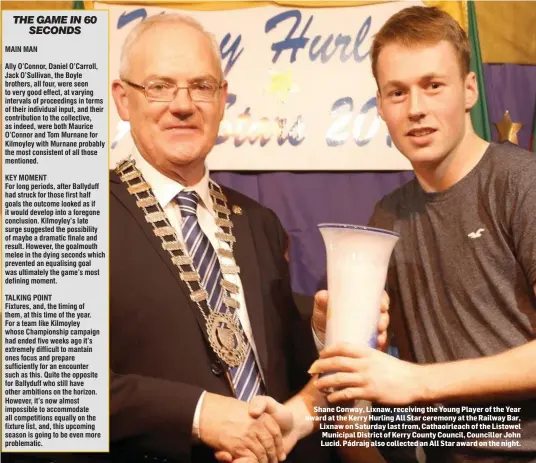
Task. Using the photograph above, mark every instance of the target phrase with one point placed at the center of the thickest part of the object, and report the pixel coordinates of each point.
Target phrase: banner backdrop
(301, 92)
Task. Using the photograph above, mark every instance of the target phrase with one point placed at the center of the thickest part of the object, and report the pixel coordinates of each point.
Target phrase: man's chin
(184, 155)
(424, 155)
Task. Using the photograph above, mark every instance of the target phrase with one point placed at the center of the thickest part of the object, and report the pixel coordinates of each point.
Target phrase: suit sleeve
(154, 414)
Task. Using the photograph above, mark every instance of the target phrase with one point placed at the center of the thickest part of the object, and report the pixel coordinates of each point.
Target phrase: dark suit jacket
(160, 362)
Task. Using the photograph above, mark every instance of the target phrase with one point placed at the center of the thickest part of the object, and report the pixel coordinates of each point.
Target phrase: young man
(462, 280)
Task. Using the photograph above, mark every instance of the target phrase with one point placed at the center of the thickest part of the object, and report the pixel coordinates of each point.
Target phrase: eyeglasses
(199, 91)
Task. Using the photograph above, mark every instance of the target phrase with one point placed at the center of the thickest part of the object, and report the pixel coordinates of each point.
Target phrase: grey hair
(167, 18)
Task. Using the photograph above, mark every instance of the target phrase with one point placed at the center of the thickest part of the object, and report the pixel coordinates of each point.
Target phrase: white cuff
(197, 415)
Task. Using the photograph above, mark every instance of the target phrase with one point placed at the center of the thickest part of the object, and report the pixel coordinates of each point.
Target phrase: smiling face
(175, 137)
(425, 101)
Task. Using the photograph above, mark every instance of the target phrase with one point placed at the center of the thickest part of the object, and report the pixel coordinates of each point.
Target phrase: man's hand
(226, 425)
(264, 405)
(365, 373)
(262, 408)
(320, 310)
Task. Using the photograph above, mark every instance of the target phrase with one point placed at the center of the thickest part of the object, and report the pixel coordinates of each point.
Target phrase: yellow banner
(507, 31)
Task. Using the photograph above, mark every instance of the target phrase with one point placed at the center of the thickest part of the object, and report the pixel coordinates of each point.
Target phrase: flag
(479, 113)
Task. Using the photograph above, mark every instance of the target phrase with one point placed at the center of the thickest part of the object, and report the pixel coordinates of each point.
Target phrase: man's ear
(379, 104)
(471, 91)
(121, 100)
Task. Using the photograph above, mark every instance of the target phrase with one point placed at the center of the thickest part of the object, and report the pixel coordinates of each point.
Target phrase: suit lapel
(246, 257)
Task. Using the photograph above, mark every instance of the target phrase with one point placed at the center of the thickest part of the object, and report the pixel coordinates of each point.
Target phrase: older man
(202, 318)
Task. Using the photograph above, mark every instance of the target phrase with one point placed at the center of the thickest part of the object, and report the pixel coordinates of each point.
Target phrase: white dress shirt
(165, 190)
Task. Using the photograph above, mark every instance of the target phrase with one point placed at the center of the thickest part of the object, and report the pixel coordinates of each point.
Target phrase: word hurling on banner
(301, 91)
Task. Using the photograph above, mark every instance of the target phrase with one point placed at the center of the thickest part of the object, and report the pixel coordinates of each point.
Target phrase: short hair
(419, 25)
(154, 21)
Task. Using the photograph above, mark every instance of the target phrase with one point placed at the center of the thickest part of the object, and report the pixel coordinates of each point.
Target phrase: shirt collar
(165, 189)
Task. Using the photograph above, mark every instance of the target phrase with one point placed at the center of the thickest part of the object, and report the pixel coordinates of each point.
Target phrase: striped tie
(247, 380)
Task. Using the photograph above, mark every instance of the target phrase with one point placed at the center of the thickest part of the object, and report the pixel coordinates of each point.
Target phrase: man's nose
(417, 105)
(182, 103)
